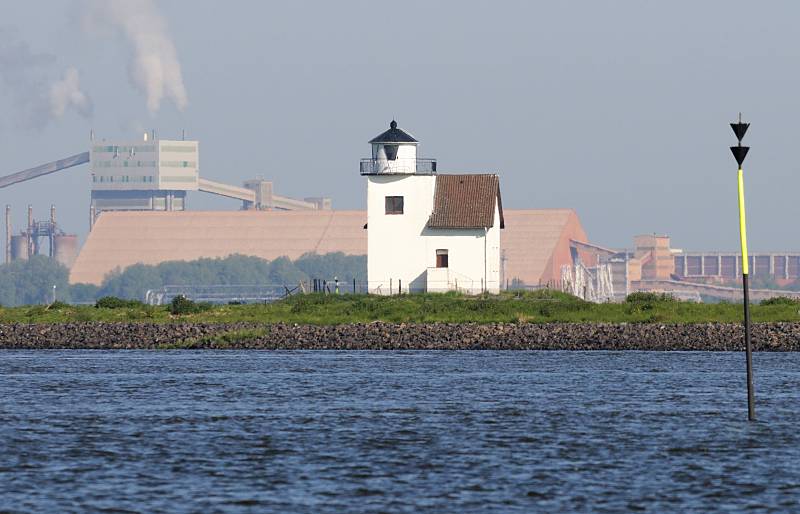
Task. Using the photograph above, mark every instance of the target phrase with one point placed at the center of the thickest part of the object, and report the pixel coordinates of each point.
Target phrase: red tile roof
(466, 201)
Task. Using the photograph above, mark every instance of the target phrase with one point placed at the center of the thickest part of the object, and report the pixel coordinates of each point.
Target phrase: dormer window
(391, 152)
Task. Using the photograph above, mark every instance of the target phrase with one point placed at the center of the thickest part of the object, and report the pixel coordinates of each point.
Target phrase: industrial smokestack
(8, 234)
(91, 217)
(29, 232)
(52, 233)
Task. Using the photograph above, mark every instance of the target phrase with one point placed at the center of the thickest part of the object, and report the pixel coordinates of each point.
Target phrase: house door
(442, 259)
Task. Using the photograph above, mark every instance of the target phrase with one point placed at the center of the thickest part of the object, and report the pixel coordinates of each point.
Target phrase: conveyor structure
(155, 175)
(44, 169)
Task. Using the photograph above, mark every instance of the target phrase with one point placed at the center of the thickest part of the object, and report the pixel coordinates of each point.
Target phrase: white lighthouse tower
(399, 200)
(427, 232)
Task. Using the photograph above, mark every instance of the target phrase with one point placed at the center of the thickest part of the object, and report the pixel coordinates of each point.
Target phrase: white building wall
(473, 258)
(124, 165)
(179, 164)
(394, 249)
(402, 250)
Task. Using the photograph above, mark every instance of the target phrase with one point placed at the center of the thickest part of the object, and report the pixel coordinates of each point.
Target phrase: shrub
(182, 305)
(644, 301)
(644, 297)
(58, 306)
(112, 302)
(780, 300)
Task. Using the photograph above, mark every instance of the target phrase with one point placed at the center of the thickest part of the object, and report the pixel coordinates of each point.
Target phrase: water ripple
(132, 431)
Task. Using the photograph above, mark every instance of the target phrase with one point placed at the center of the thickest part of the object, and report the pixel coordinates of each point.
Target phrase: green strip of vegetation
(38, 279)
(540, 306)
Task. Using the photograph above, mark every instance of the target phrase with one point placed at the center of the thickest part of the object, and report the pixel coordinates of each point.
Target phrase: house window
(441, 259)
(391, 152)
(394, 205)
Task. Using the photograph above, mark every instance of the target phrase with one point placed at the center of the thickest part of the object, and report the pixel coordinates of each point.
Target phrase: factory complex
(423, 230)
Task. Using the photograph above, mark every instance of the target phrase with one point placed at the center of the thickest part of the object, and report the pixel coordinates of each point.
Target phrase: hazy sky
(618, 109)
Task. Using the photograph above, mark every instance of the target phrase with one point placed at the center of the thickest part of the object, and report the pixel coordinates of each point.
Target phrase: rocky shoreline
(401, 336)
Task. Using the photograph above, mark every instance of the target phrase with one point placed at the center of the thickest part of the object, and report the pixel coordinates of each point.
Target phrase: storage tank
(65, 249)
(19, 248)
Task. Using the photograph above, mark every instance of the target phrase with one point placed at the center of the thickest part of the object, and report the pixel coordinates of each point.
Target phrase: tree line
(31, 281)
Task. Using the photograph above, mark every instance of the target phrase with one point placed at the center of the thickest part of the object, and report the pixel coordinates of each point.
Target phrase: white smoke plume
(66, 93)
(154, 68)
(26, 79)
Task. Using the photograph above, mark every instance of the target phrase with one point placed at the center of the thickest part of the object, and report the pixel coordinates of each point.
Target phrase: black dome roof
(394, 135)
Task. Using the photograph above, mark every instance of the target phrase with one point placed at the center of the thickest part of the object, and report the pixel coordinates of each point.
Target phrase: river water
(260, 431)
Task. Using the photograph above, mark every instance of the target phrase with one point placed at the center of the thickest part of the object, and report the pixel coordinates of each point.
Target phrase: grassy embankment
(535, 307)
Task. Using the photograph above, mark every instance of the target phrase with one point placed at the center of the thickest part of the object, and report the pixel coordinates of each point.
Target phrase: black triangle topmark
(739, 153)
(739, 129)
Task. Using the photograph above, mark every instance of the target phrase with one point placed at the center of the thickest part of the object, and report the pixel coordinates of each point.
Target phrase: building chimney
(8, 234)
(52, 232)
(29, 232)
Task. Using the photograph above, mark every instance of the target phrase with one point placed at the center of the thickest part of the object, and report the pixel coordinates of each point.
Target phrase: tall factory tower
(148, 175)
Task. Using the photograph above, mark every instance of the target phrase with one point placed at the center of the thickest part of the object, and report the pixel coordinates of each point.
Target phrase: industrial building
(653, 265)
(61, 246)
(155, 175)
(782, 267)
(533, 246)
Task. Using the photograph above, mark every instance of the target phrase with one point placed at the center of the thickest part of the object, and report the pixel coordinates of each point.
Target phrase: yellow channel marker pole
(739, 153)
(743, 225)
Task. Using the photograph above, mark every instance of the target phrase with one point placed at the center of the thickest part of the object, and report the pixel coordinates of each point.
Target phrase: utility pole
(739, 153)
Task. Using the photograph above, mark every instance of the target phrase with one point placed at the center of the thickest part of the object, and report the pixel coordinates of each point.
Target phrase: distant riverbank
(400, 336)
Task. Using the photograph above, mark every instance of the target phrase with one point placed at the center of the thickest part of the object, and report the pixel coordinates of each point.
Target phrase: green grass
(535, 307)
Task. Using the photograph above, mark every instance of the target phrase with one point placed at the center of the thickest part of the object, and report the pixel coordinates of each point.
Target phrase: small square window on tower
(441, 259)
(394, 205)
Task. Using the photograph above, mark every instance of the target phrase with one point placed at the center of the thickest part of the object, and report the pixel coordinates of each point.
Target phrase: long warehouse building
(534, 244)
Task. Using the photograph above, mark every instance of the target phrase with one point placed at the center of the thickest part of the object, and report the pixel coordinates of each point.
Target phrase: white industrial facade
(143, 175)
(408, 252)
(155, 175)
(144, 165)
